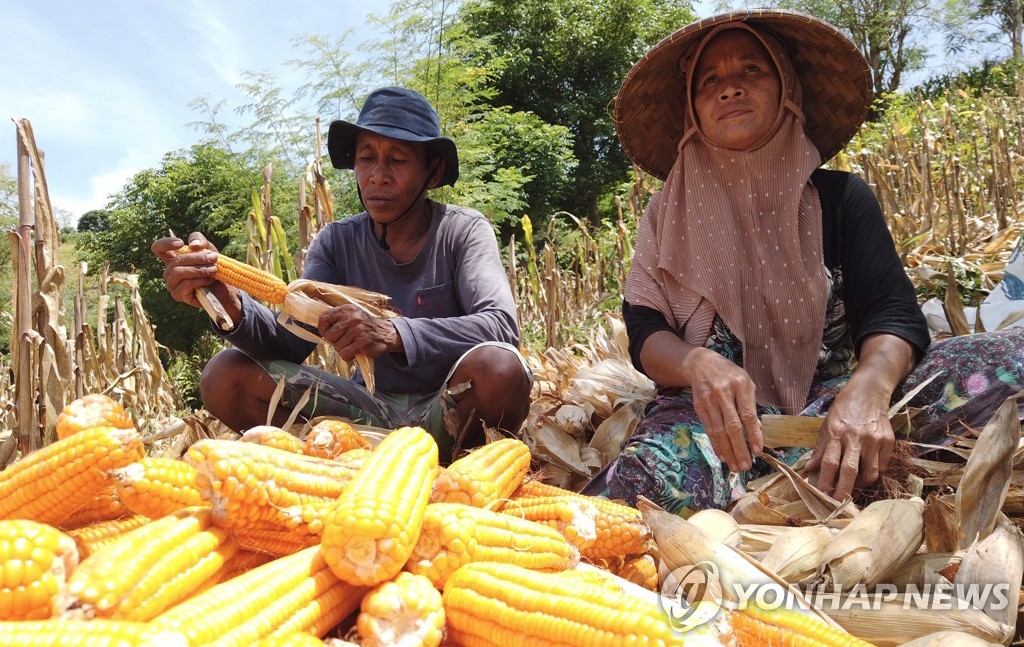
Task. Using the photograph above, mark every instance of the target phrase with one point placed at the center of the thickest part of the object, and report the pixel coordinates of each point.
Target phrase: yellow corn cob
(258, 283)
(620, 529)
(51, 483)
(242, 562)
(454, 534)
(404, 611)
(275, 542)
(156, 486)
(489, 603)
(105, 506)
(88, 633)
(754, 627)
(573, 517)
(35, 562)
(256, 487)
(369, 534)
(641, 570)
(259, 602)
(91, 538)
(151, 568)
(273, 437)
(488, 473)
(294, 639)
(93, 410)
(330, 438)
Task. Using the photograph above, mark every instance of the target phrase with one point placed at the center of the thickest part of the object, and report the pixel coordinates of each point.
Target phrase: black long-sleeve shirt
(871, 292)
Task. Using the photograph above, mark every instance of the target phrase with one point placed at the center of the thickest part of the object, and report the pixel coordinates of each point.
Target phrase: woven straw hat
(836, 84)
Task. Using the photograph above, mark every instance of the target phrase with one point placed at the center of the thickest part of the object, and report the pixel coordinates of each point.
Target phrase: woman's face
(736, 90)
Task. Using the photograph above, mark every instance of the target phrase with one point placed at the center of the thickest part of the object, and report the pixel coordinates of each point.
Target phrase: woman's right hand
(724, 398)
(186, 271)
(723, 394)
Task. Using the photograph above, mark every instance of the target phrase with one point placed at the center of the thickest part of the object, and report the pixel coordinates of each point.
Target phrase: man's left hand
(351, 331)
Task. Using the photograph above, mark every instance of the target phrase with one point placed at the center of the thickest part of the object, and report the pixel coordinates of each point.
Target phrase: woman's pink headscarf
(738, 233)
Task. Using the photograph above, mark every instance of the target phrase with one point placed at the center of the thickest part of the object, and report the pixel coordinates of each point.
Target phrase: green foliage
(565, 60)
(95, 220)
(199, 189)
(1000, 77)
(890, 33)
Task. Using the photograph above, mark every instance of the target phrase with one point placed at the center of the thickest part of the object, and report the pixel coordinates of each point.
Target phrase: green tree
(95, 220)
(199, 189)
(1008, 18)
(890, 33)
(565, 62)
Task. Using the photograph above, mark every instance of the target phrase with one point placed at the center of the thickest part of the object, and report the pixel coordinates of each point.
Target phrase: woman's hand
(724, 398)
(723, 394)
(187, 271)
(351, 331)
(856, 439)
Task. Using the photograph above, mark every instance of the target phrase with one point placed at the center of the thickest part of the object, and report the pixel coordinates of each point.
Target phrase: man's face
(390, 173)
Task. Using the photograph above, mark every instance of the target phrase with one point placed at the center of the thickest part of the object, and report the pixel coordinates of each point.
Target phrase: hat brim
(341, 146)
(835, 77)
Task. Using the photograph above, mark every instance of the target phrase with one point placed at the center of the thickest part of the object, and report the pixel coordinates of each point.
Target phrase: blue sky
(106, 83)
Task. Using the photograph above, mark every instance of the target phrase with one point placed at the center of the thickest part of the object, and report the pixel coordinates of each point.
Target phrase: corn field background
(948, 172)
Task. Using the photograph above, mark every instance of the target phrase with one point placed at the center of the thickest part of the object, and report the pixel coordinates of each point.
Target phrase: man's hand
(724, 398)
(351, 331)
(192, 267)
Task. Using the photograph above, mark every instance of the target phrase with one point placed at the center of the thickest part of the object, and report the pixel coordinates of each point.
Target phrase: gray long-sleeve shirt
(452, 296)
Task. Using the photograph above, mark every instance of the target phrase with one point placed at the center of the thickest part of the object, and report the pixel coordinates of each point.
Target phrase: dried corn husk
(719, 524)
(306, 300)
(727, 572)
(821, 505)
(941, 531)
(796, 553)
(754, 509)
(986, 480)
(758, 538)
(876, 543)
(899, 618)
(998, 559)
(948, 639)
(925, 569)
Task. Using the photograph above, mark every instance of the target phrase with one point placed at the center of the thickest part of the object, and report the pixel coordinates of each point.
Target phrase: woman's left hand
(856, 439)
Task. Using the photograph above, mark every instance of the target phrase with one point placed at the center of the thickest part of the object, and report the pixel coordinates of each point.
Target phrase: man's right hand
(191, 267)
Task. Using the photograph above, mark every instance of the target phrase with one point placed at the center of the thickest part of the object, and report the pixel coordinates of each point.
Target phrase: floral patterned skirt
(669, 458)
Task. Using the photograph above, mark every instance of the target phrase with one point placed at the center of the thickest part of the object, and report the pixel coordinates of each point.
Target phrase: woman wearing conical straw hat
(762, 283)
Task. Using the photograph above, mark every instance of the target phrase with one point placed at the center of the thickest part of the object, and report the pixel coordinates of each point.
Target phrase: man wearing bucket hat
(453, 350)
(762, 283)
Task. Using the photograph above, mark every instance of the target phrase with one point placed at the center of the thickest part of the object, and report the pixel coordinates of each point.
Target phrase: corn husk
(876, 543)
(819, 504)
(941, 531)
(725, 572)
(754, 508)
(306, 300)
(719, 524)
(948, 639)
(926, 569)
(796, 553)
(986, 480)
(998, 559)
(758, 538)
(896, 619)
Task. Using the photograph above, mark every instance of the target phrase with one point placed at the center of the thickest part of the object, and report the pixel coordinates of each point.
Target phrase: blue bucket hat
(398, 113)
